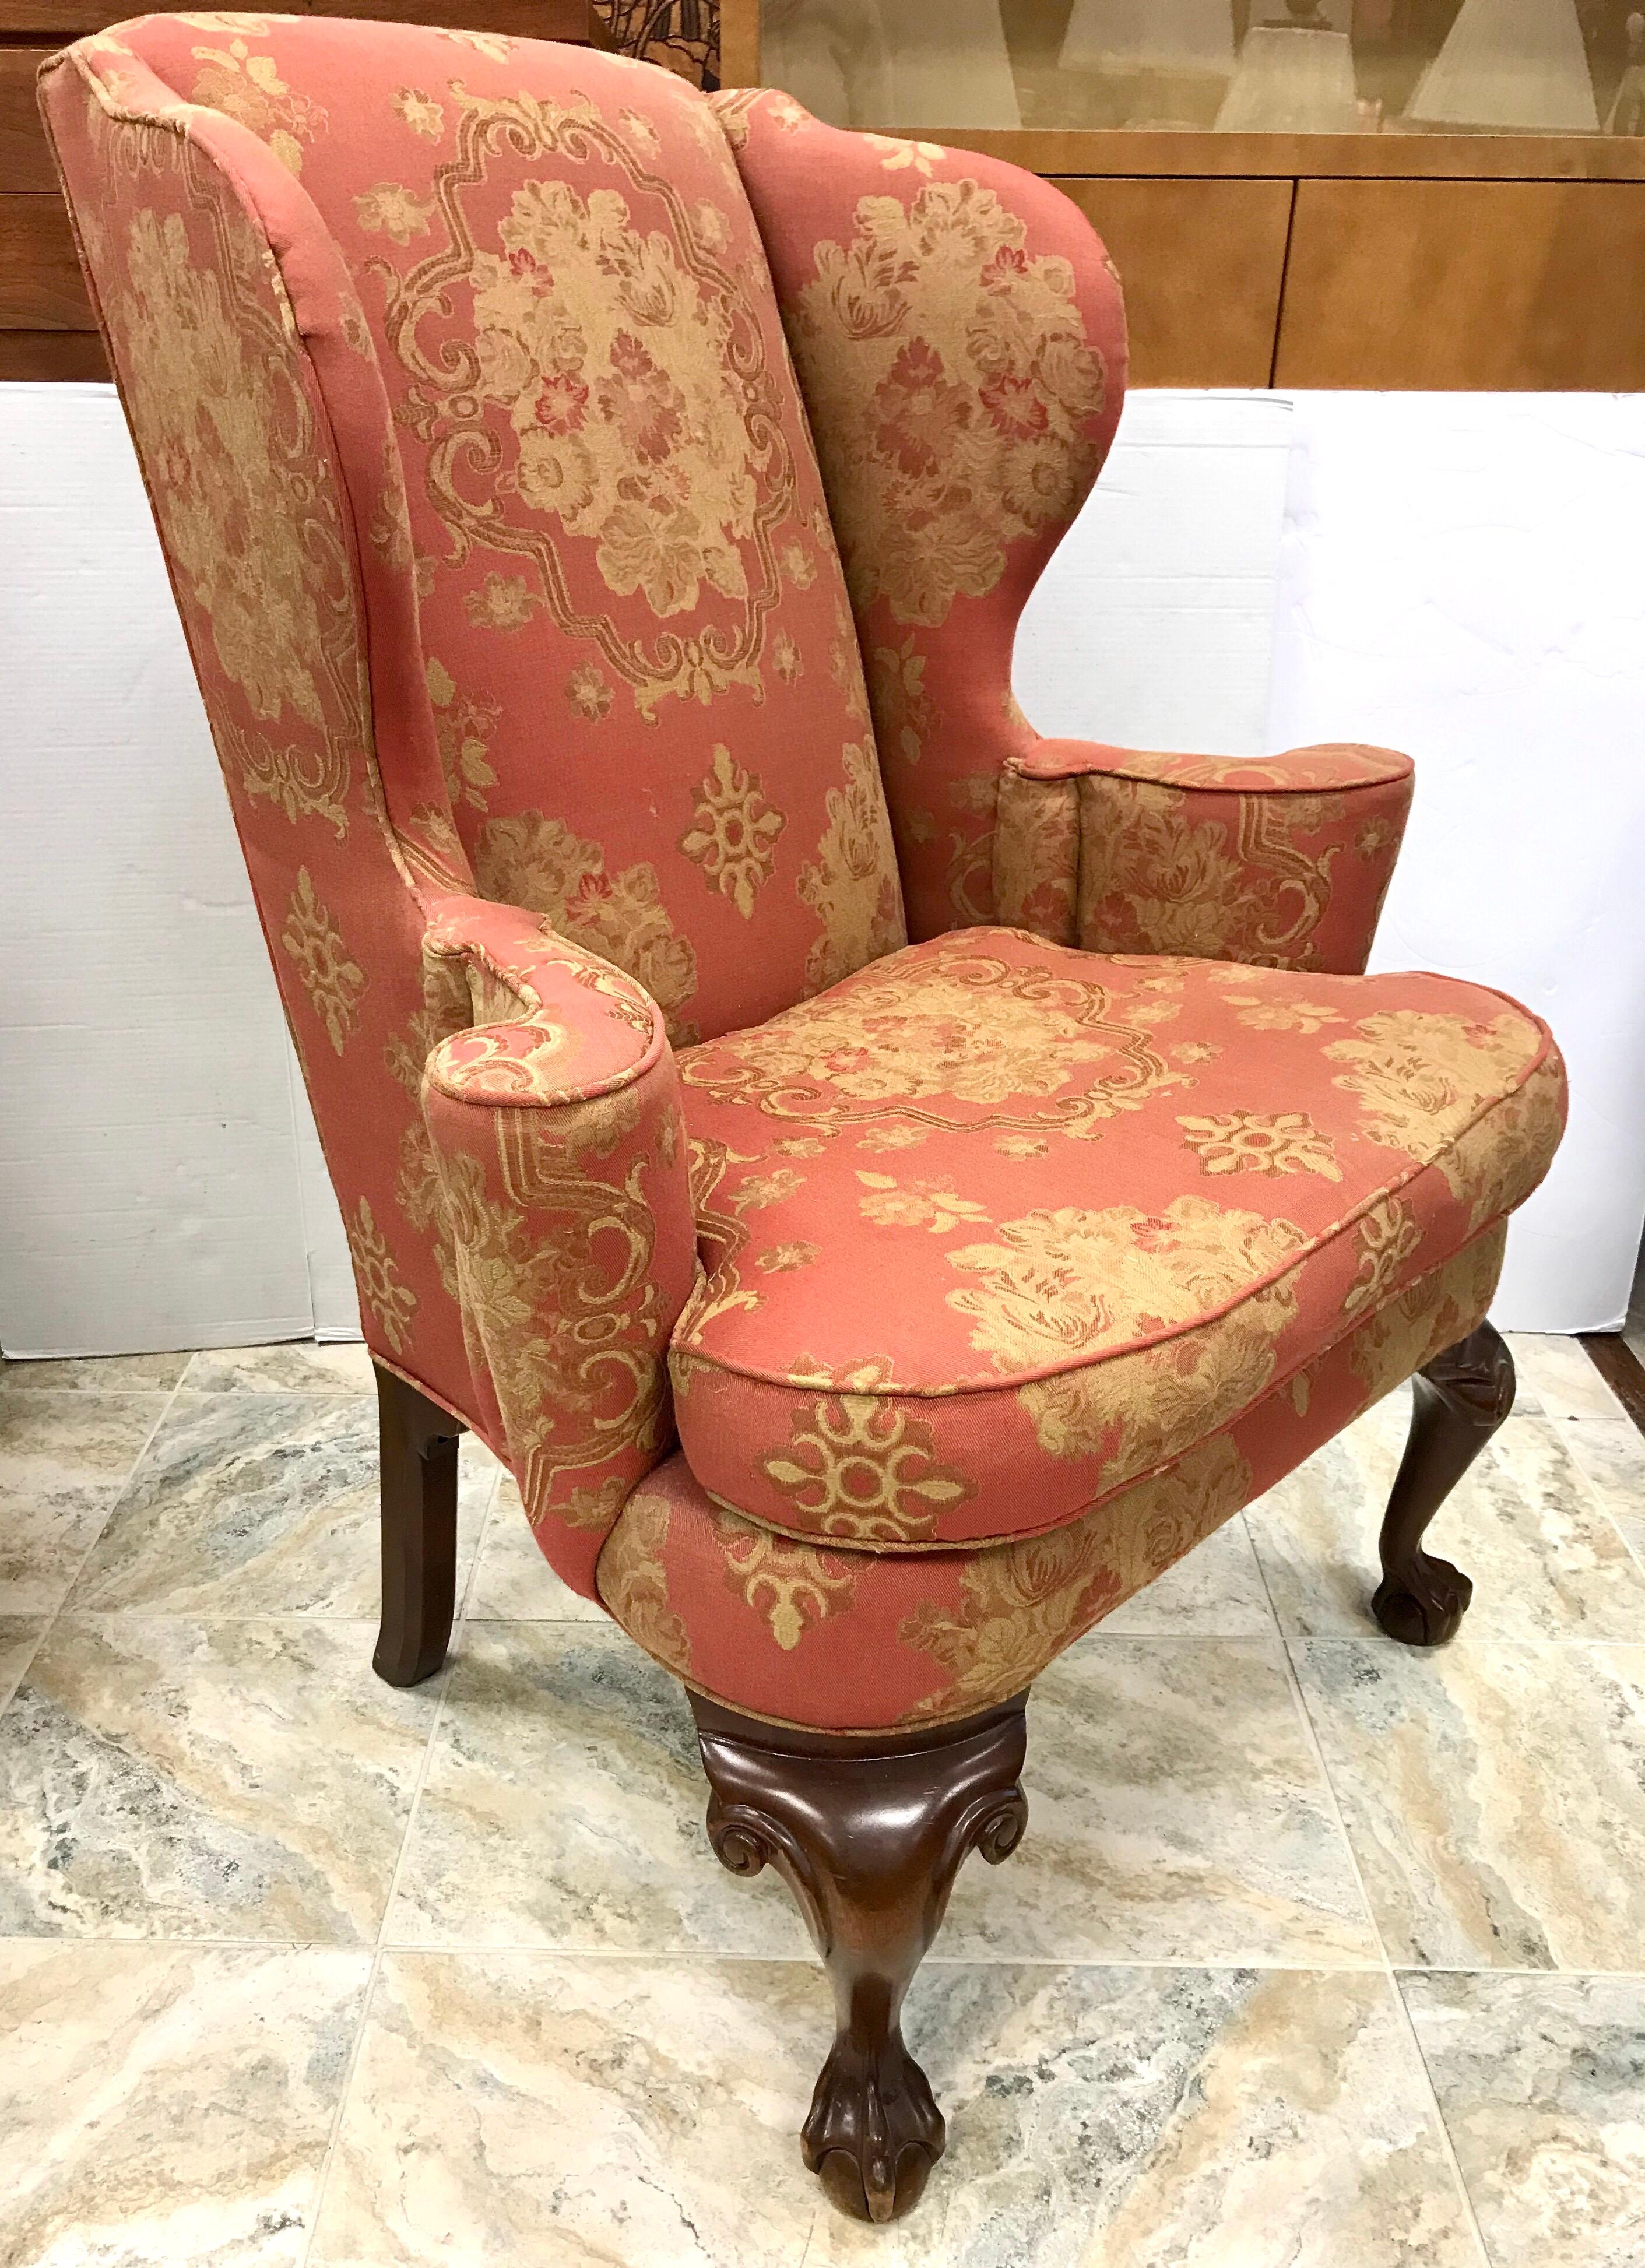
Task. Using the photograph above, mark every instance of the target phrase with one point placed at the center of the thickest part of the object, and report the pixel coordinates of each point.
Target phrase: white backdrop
(1458, 576)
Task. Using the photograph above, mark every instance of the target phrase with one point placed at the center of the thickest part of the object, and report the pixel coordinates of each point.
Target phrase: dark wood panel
(52, 354)
(1500, 286)
(39, 277)
(59, 20)
(1202, 263)
(24, 160)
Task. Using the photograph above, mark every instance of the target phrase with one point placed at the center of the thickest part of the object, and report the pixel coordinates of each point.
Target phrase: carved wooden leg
(419, 1523)
(869, 1836)
(1462, 1398)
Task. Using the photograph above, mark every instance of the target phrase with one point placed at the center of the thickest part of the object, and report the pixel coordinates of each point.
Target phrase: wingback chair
(886, 1184)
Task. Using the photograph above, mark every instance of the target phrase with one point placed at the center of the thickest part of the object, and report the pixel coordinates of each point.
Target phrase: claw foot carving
(1461, 1398)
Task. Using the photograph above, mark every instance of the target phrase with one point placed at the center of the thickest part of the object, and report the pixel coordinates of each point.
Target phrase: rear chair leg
(1462, 1397)
(869, 1835)
(419, 1526)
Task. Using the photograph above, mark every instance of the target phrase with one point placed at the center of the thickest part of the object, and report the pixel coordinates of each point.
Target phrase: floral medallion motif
(733, 832)
(333, 979)
(612, 339)
(1255, 1142)
(957, 1027)
(858, 1467)
(955, 399)
(391, 1301)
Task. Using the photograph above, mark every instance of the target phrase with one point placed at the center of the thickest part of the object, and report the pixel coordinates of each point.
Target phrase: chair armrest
(1283, 861)
(561, 1193)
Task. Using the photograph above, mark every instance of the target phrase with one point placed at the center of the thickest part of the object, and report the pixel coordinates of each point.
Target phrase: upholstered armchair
(886, 1184)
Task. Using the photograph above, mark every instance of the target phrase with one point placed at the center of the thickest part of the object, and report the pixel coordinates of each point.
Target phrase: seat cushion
(994, 1228)
(845, 1640)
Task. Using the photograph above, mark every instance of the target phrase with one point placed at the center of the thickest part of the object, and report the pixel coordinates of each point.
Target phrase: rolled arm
(559, 1157)
(1283, 861)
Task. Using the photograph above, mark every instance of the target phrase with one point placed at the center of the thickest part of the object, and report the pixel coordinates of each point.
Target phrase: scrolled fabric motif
(996, 1228)
(959, 337)
(559, 1170)
(1283, 863)
(838, 1638)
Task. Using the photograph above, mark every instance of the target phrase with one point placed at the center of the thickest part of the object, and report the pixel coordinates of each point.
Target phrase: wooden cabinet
(47, 329)
(1405, 253)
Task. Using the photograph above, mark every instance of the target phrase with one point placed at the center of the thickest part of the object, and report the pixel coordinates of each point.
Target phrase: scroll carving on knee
(868, 1836)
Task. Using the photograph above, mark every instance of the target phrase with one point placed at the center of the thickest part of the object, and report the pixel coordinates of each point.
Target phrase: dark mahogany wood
(869, 1835)
(419, 1521)
(1462, 1398)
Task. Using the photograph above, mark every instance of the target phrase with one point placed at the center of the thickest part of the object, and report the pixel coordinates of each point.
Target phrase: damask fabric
(847, 1640)
(1284, 862)
(634, 651)
(995, 1229)
(960, 338)
(555, 1189)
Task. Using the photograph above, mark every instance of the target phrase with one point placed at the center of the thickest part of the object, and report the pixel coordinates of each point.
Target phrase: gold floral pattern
(859, 1468)
(213, 420)
(793, 1585)
(382, 1291)
(1419, 1077)
(952, 390)
(461, 723)
(605, 339)
(305, 781)
(1259, 1141)
(539, 862)
(851, 884)
(333, 979)
(733, 834)
(952, 1027)
(1389, 1238)
(249, 87)
(936, 1206)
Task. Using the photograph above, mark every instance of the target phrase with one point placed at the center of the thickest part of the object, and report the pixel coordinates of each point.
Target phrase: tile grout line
(323, 2178)
(51, 1621)
(1447, 2146)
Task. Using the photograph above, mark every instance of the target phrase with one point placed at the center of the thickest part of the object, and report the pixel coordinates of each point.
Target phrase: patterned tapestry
(682, 35)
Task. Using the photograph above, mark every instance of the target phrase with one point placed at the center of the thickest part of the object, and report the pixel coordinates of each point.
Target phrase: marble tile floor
(1318, 1953)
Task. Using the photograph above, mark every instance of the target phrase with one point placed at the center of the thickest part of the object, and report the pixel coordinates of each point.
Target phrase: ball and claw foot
(873, 2131)
(1460, 1399)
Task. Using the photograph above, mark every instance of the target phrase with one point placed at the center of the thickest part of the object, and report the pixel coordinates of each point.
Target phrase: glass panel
(1249, 66)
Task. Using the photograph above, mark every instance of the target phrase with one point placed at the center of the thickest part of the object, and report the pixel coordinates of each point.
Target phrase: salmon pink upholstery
(541, 450)
(850, 1640)
(993, 1228)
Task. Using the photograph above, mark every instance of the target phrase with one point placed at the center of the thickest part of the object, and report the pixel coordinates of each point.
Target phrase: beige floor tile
(513, 1581)
(1176, 1812)
(1541, 2081)
(170, 1778)
(19, 1635)
(63, 1459)
(1494, 1795)
(168, 2103)
(297, 1366)
(1611, 1451)
(94, 1373)
(258, 1504)
(564, 1806)
(530, 2109)
(1559, 1373)
(1216, 1592)
(1546, 1558)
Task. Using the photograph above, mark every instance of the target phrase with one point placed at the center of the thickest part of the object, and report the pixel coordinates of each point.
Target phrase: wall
(1464, 577)
(1460, 577)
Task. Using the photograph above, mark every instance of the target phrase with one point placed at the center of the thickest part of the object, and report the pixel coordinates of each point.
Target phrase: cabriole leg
(1462, 1398)
(419, 1528)
(868, 1836)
